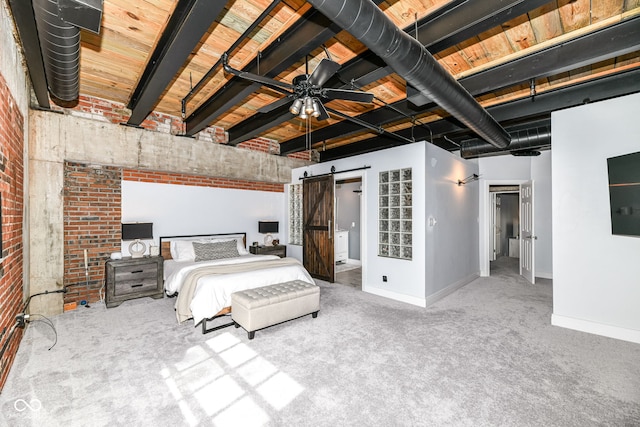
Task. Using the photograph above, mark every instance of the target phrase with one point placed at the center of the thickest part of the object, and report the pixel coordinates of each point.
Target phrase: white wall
(183, 209)
(406, 278)
(507, 169)
(452, 243)
(596, 284)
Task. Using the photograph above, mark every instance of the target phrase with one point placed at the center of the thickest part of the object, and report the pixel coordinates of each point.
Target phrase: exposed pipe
(525, 139)
(411, 60)
(60, 46)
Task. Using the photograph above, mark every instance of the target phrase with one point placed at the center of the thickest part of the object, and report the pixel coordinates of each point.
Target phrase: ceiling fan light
(303, 115)
(316, 109)
(296, 106)
(308, 106)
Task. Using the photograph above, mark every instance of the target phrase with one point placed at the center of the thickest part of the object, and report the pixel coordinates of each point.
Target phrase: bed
(203, 270)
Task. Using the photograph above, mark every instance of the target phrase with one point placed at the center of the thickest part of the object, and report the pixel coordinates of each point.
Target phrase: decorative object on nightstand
(280, 250)
(137, 231)
(130, 278)
(267, 227)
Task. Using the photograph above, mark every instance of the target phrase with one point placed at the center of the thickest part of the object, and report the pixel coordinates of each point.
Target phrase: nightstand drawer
(124, 287)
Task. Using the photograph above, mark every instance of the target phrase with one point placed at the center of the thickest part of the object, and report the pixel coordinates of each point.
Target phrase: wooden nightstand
(280, 250)
(130, 278)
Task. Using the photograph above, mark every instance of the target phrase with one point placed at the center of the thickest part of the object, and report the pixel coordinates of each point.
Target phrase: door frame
(485, 220)
(363, 217)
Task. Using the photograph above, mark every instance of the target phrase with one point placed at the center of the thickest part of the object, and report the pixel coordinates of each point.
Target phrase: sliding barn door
(317, 214)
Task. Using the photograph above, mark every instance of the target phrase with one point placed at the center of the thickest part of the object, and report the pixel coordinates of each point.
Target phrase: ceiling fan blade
(323, 72)
(276, 104)
(323, 112)
(348, 95)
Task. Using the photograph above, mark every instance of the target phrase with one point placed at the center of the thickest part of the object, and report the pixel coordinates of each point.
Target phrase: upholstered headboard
(165, 241)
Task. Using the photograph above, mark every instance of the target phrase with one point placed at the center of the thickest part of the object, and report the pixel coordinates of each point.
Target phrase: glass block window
(395, 214)
(295, 214)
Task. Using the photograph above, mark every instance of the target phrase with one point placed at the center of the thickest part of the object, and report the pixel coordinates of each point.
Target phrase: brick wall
(202, 181)
(92, 213)
(11, 188)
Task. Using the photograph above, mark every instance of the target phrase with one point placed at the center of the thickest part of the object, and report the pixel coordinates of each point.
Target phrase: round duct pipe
(525, 140)
(60, 46)
(411, 60)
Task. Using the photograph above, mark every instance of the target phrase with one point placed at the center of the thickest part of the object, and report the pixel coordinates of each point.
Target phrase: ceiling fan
(305, 90)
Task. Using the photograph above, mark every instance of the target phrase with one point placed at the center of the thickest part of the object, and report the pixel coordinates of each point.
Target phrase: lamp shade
(267, 226)
(137, 230)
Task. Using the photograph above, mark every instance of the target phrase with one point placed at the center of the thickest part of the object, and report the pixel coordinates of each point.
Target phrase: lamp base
(137, 249)
(268, 239)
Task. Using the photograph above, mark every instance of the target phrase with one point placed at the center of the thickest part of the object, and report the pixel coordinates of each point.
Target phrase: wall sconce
(137, 231)
(468, 179)
(268, 227)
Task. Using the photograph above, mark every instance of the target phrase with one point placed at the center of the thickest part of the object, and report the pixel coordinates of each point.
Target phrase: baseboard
(450, 289)
(543, 275)
(395, 296)
(421, 302)
(589, 327)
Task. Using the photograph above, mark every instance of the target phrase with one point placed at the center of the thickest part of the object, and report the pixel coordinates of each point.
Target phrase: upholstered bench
(259, 308)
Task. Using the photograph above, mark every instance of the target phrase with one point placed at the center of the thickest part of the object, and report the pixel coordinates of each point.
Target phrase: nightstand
(130, 278)
(280, 250)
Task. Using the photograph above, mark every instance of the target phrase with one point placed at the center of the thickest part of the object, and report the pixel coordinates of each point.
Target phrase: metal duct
(60, 46)
(411, 60)
(524, 139)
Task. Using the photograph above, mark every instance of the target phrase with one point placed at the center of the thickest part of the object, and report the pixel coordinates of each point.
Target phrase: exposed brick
(11, 179)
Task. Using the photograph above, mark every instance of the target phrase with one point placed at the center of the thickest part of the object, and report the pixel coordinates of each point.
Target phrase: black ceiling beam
(311, 31)
(606, 43)
(188, 24)
(454, 22)
(25, 20)
(621, 84)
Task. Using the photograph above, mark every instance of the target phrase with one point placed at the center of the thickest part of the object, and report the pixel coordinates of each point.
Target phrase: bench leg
(314, 314)
(251, 334)
(236, 324)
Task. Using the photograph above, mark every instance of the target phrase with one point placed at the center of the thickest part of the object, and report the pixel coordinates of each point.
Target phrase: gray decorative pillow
(215, 250)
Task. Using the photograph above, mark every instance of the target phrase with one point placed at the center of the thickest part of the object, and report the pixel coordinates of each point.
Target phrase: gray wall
(509, 221)
(452, 243)
(348, 214)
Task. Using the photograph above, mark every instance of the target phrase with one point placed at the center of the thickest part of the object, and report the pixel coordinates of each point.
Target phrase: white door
(527, 236)
(492, 228)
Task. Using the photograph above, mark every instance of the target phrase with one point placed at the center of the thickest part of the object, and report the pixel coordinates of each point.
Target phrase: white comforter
(213, 293)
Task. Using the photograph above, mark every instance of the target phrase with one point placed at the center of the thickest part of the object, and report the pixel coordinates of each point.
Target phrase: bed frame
(165, 252)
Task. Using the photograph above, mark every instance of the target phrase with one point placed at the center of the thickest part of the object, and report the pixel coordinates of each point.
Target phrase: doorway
(348, 235)
(505, 229)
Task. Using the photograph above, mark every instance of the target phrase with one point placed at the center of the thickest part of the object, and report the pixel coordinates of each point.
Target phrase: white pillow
(182, 250)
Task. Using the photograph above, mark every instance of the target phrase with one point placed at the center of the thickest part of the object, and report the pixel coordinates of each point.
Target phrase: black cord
(57, 291)
(47, 321)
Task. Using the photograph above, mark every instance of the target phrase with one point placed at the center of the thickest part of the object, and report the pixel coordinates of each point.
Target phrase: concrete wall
(596, 284)
(54, 138)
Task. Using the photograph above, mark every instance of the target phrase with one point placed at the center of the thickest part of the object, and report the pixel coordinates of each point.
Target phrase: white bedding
(213, 293)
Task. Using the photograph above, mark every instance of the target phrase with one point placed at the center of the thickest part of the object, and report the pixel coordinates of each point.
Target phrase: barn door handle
(329, 226)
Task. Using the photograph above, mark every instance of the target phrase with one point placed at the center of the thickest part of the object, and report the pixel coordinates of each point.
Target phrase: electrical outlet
(384, 278)
(20, 318)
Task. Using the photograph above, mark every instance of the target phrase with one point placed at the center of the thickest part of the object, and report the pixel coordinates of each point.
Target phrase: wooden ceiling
(501, 51)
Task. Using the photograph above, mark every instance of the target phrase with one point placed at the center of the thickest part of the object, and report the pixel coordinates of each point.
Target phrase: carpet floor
(486, 355)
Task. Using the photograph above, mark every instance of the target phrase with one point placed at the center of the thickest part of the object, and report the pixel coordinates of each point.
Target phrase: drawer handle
(136, 286)
(137, 271)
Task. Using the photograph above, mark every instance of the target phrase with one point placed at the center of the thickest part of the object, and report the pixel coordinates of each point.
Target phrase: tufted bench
(258, 308)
